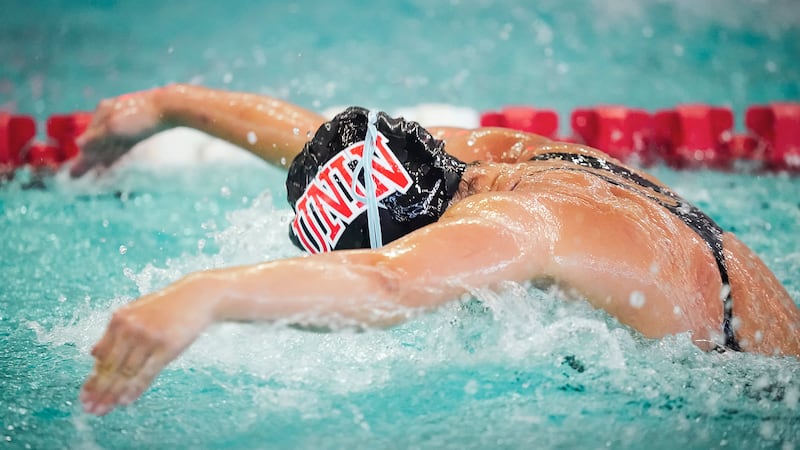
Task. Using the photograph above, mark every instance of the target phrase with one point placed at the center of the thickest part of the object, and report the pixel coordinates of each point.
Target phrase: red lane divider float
(623, 133)
(694, 135)
(64, 130)
(18, 148)
(686, 136)
(777, 130)
(15, 133)
(523, 118)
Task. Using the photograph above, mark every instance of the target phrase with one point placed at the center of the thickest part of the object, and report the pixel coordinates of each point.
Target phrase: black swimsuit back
(695, 219)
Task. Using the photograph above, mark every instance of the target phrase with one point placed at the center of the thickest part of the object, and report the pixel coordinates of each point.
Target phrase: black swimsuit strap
(698, 221)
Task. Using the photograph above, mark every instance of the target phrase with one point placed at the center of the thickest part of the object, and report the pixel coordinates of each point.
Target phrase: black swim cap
(415, 180)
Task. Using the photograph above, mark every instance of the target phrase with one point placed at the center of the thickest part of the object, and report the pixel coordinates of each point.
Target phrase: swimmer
(417, 218)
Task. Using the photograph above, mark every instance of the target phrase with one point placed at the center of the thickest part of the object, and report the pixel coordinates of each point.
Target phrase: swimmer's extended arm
(364, 288)
(267, 127)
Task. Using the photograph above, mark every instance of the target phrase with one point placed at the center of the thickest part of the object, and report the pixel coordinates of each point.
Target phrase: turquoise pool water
(512, 369)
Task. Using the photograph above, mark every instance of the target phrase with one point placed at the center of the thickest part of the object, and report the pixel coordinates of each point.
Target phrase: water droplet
(677, 310)
(771, 67)
(637, 299)
(252, 138)
(724, 291)
(767, 430)
(471, 388)
(792, 397)
(505, 33)
(123, 249)
(283, 160)
(296, 131)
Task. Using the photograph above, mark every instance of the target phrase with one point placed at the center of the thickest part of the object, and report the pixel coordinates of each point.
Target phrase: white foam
(180, 147)
(440, 115)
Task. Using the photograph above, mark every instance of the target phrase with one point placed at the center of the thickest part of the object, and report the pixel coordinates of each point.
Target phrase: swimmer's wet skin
(695, 219)
(458, 210)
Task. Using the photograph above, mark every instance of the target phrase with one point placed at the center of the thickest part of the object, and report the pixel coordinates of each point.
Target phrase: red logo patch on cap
(328, 204)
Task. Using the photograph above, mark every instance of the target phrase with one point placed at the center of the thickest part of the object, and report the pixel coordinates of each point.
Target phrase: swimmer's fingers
(121, 346)
(118, 365)
(130, 372)
(117, 125)
(144, 377)
(99, 151)
(135, 362)
(141, 339)
(106, 384)
(92, 390)
(99, 154)
(106, 371)
(127, 389)
(121, 329)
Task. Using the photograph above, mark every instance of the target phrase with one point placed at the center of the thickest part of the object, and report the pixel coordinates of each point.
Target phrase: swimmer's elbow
(408, 295)
(392, 285)
(386, 282)
(389, 292)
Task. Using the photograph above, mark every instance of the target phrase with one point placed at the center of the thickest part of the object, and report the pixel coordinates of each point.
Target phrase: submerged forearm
(270, 128)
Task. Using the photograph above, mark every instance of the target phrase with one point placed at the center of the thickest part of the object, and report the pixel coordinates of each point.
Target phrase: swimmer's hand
(141, 339)
(117, 125)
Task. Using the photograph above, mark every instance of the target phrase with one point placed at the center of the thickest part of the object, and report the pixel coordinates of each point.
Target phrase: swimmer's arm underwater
(269, 128)
(347, 288)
